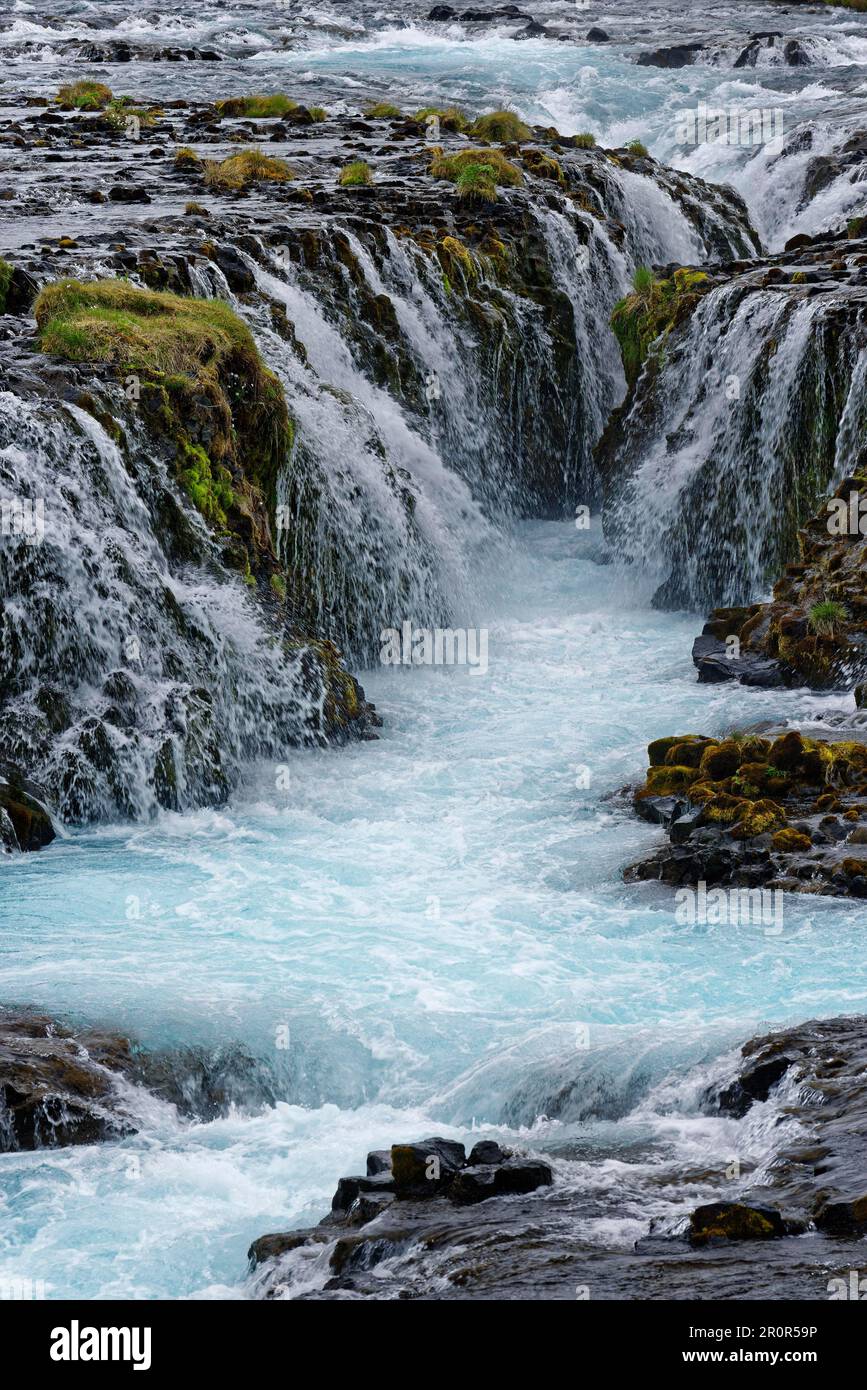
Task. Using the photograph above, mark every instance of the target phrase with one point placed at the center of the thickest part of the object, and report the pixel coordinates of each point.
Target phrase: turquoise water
(425, 931)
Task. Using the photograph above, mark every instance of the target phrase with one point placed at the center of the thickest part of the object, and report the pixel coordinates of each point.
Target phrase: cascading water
(729, 444)
(428, 932)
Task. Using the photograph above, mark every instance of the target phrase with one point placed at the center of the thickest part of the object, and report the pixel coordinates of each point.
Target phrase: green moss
(258, 105)
(278, 585)
(500, 127)
(791, 841)
(318, 113)
(84, 95)
(663, 780)
(355, 174)
(452, 253)
(856, 227)
(195, 350)
(644, 318)
(245, 168)
(544, 166)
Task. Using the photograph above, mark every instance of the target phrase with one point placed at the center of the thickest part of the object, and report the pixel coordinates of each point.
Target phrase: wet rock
(25, 822)
(754, 1084)
(597, 36)
(717, 1223)
(58, 1087)
(847, 1218)
(485, 1180)
(487, 1151)
(426, 1168)
(678, 55)
(127, 193)
(349, 1189)
(271, 1247)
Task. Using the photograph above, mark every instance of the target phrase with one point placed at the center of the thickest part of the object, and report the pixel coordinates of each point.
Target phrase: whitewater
(429, 933)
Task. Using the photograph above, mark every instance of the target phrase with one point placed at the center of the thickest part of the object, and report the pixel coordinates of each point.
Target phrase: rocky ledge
(786, 813)
(406, 1191)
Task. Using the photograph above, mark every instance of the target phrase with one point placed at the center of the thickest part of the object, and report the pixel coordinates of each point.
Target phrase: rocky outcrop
(58, 1087)
(753, 812)
(25, 821)
(814, 631)
(402, 1200)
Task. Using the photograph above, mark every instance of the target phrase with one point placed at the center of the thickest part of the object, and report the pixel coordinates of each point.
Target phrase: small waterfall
(729, 444)
(130, 681)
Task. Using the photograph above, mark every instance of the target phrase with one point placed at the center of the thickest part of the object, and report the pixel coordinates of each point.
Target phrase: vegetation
(543, 165)
(584, 141)
(5, 282)
(651, 311)
(825, 618)
(257, 105)
(635, 147)
(384, 111)
(355, 174)
(856, 227)
(197, 360)
(500, 127)
(84, 95)
(118, 112)
(195, 210)
(245, 168)
(476, 173)
(450, 118)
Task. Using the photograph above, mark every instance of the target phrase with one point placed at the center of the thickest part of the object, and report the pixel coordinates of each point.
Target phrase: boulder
(484, 1180)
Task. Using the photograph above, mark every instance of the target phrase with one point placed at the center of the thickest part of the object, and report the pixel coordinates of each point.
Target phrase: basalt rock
(758, 813)
(59, 1087)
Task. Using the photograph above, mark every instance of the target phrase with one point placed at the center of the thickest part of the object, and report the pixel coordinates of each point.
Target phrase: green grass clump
(651, 311)
(856, 227)
(500, 127)
(5, 282)
(825, 618)
(84, 95)
(355, 174)
(383, 111)
(258, 105)
(450, 118)
(584, 141)
(476, 173)
(318, 113)
(635, 147)
(245, 168)
(118, 111)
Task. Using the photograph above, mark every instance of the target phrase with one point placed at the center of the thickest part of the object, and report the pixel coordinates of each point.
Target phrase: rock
(349, 1189)
(25, 820)
(720, 1222)
(484, 1180)
(127, 193)
(442, 12)
(756, 1083)
(676, 56)
(487, 1151)
(239, 276)
(847, 1218)
(378, 1161)
(271, 1247)
(57, 1087)
(367, 1206)
(597, 36)
(426, 1168)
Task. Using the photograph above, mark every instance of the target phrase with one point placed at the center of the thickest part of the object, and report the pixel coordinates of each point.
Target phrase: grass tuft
(355, 174)
(500, 127)
(84, 95)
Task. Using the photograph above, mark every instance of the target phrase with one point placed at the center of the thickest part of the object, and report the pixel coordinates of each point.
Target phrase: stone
(426, 1168)
(717, 1223)
(484, 1180)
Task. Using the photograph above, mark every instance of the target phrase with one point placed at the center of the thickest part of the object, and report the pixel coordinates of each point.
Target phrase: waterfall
(130, 681)
(728, 446)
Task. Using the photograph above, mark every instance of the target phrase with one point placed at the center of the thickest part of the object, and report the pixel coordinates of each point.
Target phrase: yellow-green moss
(791, 841)
(384, 111)
(648, 315)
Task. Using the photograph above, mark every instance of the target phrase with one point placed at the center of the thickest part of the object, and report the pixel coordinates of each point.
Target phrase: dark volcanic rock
(724, 1221)
(485, 1180)
(755, 1083)
(58, 1087)
(678, 55)
(426, 1168)
(25, 822)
